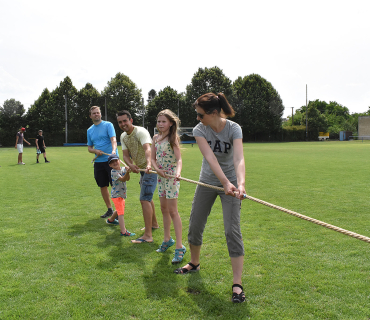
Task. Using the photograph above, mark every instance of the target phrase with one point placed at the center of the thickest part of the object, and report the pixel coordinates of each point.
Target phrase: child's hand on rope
(162, 173)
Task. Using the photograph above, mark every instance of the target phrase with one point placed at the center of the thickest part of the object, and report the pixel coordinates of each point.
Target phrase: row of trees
(329, 117)
(258, 107)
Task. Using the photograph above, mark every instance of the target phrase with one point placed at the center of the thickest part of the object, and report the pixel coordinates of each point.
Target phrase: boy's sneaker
(128, 234)
(107, 214)
(114, 222)
(46, 161)
(37, 161)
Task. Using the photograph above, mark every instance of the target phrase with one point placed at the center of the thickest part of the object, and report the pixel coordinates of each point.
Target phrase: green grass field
(60, 260)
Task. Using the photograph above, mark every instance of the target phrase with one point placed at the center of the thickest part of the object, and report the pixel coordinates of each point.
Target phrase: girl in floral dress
(166, 159)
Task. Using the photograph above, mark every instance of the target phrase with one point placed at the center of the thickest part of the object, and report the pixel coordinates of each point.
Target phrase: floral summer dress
(166, 161)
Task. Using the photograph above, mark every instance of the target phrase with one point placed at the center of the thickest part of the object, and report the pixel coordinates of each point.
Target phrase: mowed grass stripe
(59, 259)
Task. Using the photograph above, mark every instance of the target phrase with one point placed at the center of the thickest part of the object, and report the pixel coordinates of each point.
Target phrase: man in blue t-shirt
(101, 138)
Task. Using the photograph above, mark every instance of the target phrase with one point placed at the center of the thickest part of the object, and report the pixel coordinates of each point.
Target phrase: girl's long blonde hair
(173, 136)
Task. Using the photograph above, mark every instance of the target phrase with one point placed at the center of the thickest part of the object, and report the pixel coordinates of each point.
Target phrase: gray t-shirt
(222, 146)
(20, 137)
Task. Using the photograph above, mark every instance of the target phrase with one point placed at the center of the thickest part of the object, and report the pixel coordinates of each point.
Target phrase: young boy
(118, 193)
(40, 147)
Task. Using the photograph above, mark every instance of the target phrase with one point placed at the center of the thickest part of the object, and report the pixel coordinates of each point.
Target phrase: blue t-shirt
(98, 136)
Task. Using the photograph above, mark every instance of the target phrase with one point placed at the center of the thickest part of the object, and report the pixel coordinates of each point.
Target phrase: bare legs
(150, 219)
(170, 212)
(106, 197)
(121, 221)
(237, 266)
(38, 155)
(154, 218)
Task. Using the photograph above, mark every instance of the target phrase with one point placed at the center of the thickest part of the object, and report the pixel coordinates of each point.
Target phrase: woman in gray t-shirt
(220, 141)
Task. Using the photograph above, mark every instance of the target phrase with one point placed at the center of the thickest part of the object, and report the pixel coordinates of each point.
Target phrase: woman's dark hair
(210, 101)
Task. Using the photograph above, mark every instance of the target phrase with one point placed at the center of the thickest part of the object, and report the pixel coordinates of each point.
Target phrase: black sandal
(238, 298)
(184, 270)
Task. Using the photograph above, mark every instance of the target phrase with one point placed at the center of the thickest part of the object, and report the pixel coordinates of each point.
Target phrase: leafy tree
(40, 114)
(151, 95)
(204, 81)
(122, 94)
(11, 120)
(65, 92)
(337, 118)
(336, 109)
(12, 107)
(259, 106)
(297, 119)
(48, 112)
(317, 122)
(167, 98)
(208, 80)
(80, 120)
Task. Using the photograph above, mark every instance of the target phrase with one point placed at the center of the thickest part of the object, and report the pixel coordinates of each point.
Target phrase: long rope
(293, 213)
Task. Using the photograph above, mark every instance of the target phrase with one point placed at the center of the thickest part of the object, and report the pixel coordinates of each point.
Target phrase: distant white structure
(364, 127)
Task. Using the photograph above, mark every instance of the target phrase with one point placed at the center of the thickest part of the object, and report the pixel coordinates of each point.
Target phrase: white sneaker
(21, 163)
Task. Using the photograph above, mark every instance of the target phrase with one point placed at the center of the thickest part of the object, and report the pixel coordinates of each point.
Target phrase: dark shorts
(102, 174)
(42, 150)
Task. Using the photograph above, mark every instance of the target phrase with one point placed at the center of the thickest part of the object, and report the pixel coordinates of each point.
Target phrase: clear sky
(324, 44)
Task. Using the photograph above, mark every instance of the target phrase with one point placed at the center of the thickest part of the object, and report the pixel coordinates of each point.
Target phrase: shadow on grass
(213, 302)
(93, 225)
(123, 251)
(162, 283)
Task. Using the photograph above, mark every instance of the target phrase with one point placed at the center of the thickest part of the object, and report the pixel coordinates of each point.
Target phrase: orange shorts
(119, 203)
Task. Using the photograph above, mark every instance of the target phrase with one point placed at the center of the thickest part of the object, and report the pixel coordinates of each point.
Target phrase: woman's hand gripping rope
(293, 213)
(234, 192)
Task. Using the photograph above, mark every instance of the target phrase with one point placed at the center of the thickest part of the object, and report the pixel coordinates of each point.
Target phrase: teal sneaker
(128, 234)
(179, 255)
(165, 245)
(114, 222)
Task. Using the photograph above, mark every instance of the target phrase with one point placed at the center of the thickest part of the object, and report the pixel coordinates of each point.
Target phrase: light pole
(66, 122)
(306, 117)
(142, 101)
(106, 115)
(292, 117)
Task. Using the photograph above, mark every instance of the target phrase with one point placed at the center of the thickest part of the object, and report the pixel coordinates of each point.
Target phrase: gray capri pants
(203, 201)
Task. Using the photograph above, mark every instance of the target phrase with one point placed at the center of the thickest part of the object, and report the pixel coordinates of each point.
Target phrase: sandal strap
(193, 266)
(237, 286)
(184, 270)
